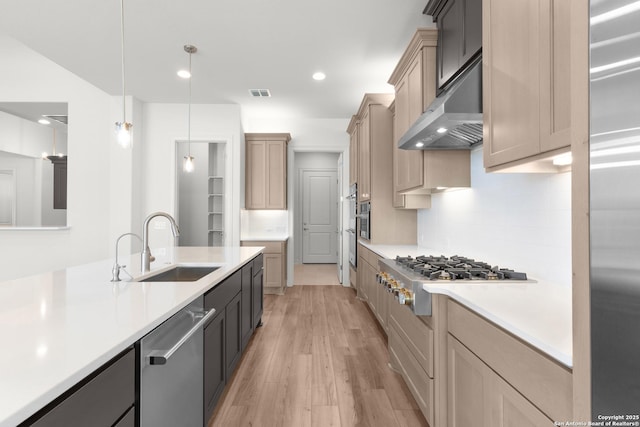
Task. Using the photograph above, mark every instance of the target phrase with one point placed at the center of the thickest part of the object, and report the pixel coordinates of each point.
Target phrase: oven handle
(351, 230)
(160, 357)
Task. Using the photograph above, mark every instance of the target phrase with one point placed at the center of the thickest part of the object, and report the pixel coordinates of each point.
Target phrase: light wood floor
(319, 360)
(315, 274)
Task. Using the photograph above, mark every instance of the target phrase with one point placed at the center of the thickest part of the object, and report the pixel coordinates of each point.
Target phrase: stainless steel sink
(181, 273)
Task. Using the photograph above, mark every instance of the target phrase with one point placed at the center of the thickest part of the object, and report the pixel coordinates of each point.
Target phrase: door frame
(343, 191)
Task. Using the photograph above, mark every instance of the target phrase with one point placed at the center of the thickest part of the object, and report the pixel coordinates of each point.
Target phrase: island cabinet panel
(526, 84)
(214, 365)
(104, 398)
(247, 325)
(257, 289)
(233, 334)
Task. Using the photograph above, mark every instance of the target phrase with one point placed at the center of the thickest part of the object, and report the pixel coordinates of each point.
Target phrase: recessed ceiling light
(185, 74)
(44, 122)
(319, 76)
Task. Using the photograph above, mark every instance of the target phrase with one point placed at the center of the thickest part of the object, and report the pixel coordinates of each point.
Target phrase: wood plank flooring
(315, 274)
(319, 360)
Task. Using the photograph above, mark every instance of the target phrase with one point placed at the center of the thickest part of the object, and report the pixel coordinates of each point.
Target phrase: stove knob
(406, 297)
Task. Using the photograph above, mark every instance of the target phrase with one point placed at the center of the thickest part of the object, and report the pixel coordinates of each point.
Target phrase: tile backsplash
(263, 223)
(519, 221)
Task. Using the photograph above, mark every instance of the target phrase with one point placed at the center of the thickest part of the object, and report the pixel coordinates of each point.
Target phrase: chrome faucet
(115, 271)
(145, 262)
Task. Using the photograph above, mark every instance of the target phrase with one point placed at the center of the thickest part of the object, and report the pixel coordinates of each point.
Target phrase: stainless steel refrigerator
(615, 206)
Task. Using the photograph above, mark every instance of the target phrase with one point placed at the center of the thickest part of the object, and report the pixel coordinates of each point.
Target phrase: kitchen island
(59, 327)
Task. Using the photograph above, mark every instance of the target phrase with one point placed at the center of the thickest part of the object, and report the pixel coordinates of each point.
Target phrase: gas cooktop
(456, 268)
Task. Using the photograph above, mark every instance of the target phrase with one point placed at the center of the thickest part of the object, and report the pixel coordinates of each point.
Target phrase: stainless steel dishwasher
(171, 370)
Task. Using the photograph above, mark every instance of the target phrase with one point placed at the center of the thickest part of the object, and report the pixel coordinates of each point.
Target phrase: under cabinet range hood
(454, 119)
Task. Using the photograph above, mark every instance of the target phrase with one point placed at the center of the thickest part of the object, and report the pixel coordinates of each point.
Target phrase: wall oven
(365, 220)
(353, 212)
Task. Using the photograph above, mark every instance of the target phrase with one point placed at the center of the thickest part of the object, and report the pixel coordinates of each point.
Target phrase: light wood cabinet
(266, 170)
(374, 127)
(274, 264)
(478, 396)
(353, 152)
(521, 385)
(526, 84)
(421, 172)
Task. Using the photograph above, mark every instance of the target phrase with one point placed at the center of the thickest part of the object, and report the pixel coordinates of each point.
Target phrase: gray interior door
(319, 216)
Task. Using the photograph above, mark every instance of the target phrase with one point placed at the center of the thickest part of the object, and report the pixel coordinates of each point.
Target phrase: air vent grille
(58, 118)
(260, 93)
(469, 132)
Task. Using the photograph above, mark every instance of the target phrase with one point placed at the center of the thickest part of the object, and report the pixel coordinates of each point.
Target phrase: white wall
(307, 135)
(518, 221)
(26, 76)
(164, 124)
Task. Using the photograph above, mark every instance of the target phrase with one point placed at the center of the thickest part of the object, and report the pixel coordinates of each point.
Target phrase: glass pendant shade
(188, 165)
(123, 133)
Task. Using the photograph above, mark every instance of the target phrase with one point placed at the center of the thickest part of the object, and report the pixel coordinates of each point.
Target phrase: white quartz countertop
(265, 238)
(57, 328)
(538, 312)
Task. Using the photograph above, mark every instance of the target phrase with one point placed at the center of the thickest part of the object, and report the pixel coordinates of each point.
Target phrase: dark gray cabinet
(214, 365)
(247, 325)
(233, 334)
(105, 398)
(257, 286)
(459, 35)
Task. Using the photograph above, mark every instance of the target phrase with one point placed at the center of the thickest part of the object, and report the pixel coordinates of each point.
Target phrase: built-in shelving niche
(201, 194)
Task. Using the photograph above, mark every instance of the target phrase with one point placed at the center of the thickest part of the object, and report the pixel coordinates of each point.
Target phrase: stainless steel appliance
(171, 370)
(405, 276)
(353, 212)
(615, 208)
(365, 220)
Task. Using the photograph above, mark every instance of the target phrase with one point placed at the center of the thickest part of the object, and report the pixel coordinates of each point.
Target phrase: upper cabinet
(414, 79)
(460, 34)
(353, 151)
(526, 84)
(266, 170)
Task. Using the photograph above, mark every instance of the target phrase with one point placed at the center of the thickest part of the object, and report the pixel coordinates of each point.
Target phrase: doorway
(319, 216)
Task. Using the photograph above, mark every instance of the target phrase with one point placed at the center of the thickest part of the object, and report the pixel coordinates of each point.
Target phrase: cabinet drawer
(417, 336)
(541, 380)
(223, 293)
(258, 262)
(269, 247)
(373, 259)
(419, 383)
(99, 402)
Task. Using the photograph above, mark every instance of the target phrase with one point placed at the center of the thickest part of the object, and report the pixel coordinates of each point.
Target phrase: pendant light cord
(124, 114)
(189, 122)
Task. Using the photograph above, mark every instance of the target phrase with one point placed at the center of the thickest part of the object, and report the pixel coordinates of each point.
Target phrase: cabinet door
(233, 334)
(256, 166)
(353, 156)
(214, 366)
(510, 409)
(555, 83)
(511, 80)
(272, 270)
(449, 40)
(364, 164)
(468, 387)
(276, 173)
(258, 291)
(372, 292)
(247, 299)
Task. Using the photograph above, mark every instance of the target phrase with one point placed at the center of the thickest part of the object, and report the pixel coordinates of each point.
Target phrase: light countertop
(57, 328)
(265, 238)
(539, 313)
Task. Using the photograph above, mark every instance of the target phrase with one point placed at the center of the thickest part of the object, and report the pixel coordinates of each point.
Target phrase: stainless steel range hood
(454, 119)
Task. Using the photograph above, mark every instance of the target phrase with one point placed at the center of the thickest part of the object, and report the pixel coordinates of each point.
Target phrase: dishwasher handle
(160, 357)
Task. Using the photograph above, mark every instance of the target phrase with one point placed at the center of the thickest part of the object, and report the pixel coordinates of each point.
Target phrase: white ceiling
(242, 45)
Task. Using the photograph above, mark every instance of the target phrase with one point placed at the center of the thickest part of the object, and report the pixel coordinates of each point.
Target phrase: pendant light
(54, 157)
(188, 165)
(123, 128)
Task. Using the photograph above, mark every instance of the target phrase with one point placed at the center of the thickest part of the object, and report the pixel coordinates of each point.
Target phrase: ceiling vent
(58, 118)
(260, 93)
